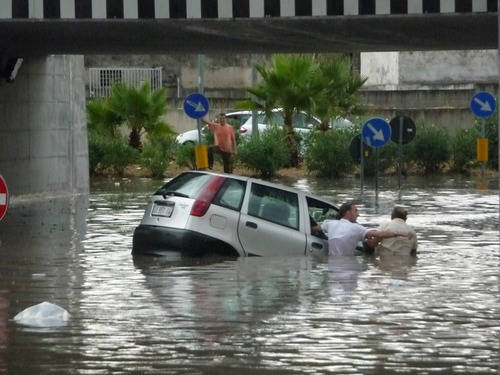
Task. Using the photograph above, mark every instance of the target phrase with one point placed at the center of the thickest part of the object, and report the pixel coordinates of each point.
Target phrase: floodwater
(438, 313)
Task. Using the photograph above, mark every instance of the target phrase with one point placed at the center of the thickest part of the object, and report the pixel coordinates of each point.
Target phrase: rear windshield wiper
(174, 193)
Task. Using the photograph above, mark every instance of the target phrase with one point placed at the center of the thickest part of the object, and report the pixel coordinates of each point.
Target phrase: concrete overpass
(43, 142)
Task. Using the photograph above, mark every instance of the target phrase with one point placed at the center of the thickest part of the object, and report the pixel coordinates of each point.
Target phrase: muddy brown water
(437, 313)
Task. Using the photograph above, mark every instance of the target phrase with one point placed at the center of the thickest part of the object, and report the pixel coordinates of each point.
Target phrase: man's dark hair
(399, 213)
(344, 208)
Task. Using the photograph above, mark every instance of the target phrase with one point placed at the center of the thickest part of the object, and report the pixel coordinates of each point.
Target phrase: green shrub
(112, 154)
(157, 153)
(266, 153)
(96, 151)
(328, 153)
(430, 148)
(388, 157)
(185, 157)
(463, 146)
(491, 132)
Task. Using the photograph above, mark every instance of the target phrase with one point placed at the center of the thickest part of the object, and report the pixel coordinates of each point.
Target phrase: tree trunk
(323, 126)
(291, 141)
(135, 139)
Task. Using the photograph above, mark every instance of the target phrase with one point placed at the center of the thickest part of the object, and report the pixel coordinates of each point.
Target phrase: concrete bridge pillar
(43, 136)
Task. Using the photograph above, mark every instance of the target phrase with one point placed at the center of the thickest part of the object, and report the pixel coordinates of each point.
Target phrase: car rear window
(188, 184)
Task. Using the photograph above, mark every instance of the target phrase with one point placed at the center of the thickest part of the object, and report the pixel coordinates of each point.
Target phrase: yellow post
(201, 156)
(482, 149)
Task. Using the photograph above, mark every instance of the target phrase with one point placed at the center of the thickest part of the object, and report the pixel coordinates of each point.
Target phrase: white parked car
(199, 213)
(191, 136)
(302, 122)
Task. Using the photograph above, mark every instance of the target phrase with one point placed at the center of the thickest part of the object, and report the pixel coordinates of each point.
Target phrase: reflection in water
(436, 313)
(344, 272)
(39, 261)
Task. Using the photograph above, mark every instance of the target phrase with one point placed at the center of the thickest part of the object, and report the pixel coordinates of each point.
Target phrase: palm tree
(335, 90)
(101, 119)
(140, 109)
(285, 84)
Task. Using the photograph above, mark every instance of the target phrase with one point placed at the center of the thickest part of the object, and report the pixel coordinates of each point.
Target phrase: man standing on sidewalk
(225, 142)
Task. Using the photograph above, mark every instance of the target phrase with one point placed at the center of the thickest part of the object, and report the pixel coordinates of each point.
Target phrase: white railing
(100, 79)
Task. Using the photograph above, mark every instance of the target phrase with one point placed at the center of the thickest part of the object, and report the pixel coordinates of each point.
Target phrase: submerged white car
(191, 136)
(199, 213)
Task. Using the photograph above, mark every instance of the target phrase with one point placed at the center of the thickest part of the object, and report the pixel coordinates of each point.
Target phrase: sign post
(376, 132)
(4, 197)
(359, 152)
(483, 104)
(196, 106)
(403, 130)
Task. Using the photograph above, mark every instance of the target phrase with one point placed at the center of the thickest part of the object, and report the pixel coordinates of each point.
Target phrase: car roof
(264, 182)
(239, 113)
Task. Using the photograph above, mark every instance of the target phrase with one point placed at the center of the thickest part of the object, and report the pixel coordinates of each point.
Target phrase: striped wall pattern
(161, 9)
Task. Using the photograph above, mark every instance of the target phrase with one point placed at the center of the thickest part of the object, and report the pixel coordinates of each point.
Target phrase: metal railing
(101, 79)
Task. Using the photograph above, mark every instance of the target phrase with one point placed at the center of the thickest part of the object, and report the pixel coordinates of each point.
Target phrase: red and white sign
(4, 197)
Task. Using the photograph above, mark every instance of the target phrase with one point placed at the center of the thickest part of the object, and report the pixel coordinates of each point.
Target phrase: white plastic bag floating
(44, 314)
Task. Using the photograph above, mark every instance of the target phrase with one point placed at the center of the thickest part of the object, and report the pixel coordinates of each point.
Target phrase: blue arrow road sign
(483, 104)
(196, 105)
(376, 132)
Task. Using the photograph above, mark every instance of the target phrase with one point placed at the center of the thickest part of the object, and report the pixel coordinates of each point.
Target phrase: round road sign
(196, 105)
(483, 104)
(408, 127)
(355, 149)
(4, 197)
(376, 132)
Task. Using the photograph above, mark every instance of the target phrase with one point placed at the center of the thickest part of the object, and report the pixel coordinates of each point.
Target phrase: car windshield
(187, 184)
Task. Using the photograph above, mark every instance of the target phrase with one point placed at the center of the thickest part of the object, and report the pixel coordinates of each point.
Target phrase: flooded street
(438, 313)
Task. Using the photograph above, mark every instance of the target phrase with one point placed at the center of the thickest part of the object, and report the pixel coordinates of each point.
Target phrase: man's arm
(382, 234)
(211, 125)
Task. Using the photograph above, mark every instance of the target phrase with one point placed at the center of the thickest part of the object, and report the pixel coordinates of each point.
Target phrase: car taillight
(243, 130)
(202, 203)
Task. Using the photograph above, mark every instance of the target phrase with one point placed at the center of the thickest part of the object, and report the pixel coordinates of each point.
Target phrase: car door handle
(251, 224)
(317, 245)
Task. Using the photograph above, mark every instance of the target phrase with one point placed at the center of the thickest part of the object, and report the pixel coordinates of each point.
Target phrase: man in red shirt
(225, 142)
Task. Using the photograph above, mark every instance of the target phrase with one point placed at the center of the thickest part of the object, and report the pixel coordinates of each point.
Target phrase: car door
(270, 222)
(318, 211)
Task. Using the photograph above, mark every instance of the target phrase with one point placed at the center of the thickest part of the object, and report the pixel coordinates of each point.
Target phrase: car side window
(231, 194)
(299, 121)
(275, 119)
(321, 211)
(274, 205)
(318, 212)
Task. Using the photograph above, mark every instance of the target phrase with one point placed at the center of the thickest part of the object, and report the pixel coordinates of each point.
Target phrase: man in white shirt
(398, 245)
(344, 234)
